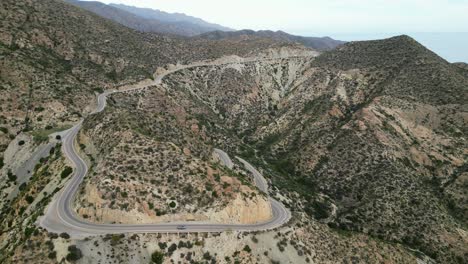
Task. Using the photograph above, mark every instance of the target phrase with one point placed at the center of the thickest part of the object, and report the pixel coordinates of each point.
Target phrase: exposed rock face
(366, 144)
(154, 165)
(148, 20)
(344, 132)
(241, 210)
(378, 127)
(53, 64)
(245, 211)
(325, 43)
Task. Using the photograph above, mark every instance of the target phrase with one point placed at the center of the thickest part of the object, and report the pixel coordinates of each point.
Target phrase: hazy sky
(318, 17)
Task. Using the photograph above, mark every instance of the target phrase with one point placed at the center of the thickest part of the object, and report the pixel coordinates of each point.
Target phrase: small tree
(65, 235)
(22, 187)
(247, 249)
(157, 257)
(66, 172)
(162, 245)
(74, 253)
(207, 255)
(52, 255)
(29, 199)
(172, 248)
(11, 176)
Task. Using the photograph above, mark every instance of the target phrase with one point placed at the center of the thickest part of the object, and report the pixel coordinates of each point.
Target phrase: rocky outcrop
(244, 210)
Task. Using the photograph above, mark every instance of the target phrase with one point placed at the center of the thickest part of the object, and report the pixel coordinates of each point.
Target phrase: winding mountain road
(61, 217)
(224, 158)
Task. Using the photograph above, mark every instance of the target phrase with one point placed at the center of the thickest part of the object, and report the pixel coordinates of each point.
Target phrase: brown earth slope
(373, 135)
(55, 56)
(366, 143)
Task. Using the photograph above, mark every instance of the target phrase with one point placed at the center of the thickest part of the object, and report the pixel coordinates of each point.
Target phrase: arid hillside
(152, 161)
(365, 144)
(55, 57)
(372, 134)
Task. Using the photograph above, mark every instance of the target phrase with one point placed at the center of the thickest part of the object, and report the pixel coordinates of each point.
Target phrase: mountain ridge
(169, 17)
(152, 20)
(131, 17)
(366, 143)
(366, 126)
(318, 43)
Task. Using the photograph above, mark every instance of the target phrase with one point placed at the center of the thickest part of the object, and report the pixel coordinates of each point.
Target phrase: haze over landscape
(238, 132)
(440, 25)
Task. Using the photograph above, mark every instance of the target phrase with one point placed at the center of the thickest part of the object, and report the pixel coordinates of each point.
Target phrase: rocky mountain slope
(177, 18)
(157, 166)
(372, 134)
(462, 65)
(148, 20)
(317, 43)
(366, 144)
(171, 121)
(55, 57)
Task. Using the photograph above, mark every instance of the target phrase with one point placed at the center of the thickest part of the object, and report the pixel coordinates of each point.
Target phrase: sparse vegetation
(64, 235)
(11, 176)
(369, 139)
(42, 135)
(66, 172)
(157, 257)
(74, 253)
(29, 199)
(247, 249)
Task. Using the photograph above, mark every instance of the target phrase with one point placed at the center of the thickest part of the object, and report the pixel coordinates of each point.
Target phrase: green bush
(74, 253)
(172, 204)
(321, 210)
(29, 199)
(64, 235)
(247, 249)
(157, 257)
(112, 75)
(28, 231)
(172, 248)
(66, 172)
(11, 176)
(39, 109)
(207, 256)
(162, 245)
(1, 162)
(22, 187)
(115, 239)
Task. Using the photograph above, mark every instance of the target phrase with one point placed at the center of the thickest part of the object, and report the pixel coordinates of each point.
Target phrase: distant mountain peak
(318, 43)
(163, 16)
(149, 20)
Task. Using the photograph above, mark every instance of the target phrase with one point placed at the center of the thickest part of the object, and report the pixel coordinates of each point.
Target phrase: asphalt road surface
(224, 157)
(61, 217)
(259, 180)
